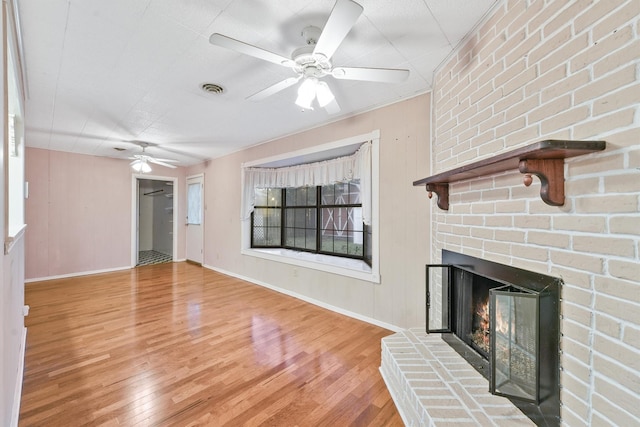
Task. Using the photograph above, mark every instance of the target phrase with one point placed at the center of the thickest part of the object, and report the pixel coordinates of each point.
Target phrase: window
(194, 203)
(302, 171)
(301, 218)
(266, 219)
(323, 219)
(341, 219)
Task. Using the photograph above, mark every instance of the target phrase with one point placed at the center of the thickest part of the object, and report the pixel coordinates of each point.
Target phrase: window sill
(15, 234)
(330, 264)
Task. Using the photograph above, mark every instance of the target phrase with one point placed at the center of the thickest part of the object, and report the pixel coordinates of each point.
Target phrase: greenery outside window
(323, 219)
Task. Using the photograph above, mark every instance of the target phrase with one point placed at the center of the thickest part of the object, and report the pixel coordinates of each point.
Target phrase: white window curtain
(356, 166)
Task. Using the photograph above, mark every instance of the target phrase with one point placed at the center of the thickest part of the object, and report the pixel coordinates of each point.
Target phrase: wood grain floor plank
(179, 345)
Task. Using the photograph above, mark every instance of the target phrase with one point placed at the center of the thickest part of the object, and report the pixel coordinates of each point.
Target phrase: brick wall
(555, 69)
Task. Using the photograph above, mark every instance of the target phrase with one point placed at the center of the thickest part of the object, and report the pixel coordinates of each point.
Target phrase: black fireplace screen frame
(446, 316)
(519, 369)
(455, 266)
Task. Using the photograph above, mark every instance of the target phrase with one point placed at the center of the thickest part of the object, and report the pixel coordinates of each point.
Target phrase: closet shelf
(545, 159)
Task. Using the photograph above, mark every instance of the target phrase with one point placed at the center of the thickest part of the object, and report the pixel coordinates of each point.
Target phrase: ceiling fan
(141, 161)
(313, 61)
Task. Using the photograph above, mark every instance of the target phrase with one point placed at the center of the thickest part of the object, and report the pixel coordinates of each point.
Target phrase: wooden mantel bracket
(551, 174)
(545, 159)
(442, 191)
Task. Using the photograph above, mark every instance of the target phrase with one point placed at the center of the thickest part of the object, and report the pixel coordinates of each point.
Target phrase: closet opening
(155, 221)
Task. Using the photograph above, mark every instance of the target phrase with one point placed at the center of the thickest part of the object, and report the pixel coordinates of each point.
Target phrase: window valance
(355, 166)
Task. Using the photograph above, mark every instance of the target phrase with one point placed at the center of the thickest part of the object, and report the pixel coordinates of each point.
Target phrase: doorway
(155, 221)
(195, 219)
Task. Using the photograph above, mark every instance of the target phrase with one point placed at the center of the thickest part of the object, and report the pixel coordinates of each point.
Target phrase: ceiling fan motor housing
(309, 64)
(305, 61)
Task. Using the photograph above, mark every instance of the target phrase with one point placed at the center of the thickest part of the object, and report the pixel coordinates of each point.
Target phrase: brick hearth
(432, 385)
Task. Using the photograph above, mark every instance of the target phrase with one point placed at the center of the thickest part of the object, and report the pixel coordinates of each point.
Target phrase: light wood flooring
(179, 345)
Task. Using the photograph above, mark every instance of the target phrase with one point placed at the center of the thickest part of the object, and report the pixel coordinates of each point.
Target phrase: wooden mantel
(545, 159)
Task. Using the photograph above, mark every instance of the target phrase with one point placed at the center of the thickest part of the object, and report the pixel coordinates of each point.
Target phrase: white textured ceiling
(102, 74)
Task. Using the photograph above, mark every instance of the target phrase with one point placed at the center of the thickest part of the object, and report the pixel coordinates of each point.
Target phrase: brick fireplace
(505, 322)
(532, 71)
(498, 320)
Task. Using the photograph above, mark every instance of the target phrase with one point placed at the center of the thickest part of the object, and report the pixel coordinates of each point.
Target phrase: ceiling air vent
(212, 88)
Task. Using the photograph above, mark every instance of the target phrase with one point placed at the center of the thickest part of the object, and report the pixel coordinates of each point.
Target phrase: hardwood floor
(177, 344)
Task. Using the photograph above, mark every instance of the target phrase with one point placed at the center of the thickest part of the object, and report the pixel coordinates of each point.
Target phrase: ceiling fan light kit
(313, 61)
(324, 94)
(306, 93)
(140, 166)
(311, 89)
(141, 161)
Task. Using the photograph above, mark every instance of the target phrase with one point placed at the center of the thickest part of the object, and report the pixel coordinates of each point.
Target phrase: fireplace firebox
(505, 322)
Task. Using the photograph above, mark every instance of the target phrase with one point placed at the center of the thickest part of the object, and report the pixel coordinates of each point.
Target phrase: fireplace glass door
(514, 319)
(438, 291)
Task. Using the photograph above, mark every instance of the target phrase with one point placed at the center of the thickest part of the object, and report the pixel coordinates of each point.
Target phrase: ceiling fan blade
(165, 160)
(343, 17)
(158, 162)
(247, 49)
(384, 75)
(271, 90)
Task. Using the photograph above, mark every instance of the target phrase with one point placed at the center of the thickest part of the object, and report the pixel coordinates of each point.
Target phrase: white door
(195, 218)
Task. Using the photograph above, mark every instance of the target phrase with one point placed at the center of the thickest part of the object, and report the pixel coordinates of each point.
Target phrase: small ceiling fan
(141, 161)
(313, 62)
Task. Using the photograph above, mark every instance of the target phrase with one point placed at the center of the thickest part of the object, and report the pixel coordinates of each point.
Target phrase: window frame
(318, 229)
(266, 227)
(322, 206)
(353, 268)
(15, 186)
(284, 227)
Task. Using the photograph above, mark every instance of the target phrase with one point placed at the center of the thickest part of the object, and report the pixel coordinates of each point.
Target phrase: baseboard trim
(82, 273)
(15, 411)
(310, 300)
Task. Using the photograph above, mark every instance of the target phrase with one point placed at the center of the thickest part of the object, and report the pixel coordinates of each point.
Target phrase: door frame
(203, 207)
(135, 215)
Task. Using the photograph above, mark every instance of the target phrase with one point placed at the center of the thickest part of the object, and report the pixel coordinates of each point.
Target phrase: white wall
(12, 332)
(404, 219)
